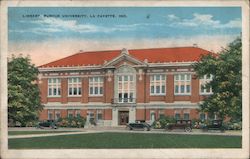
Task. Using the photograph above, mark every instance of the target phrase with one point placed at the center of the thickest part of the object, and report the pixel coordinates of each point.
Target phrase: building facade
(115, 87)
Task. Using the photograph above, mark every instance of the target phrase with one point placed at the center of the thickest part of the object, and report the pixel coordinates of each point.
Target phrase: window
(177, 116)
(50, 114)
(202, 116)
(78, 113)
(157, 85)
(96, 86)
(161, 114)
(203, 82)
(54, 87)
(182, 83)
(126, 88)
(186, 116)
(99, 115)
(57, 114)
(70, 114)
(74, 86)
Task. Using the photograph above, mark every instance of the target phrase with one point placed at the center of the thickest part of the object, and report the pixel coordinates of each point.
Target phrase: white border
(125, 153)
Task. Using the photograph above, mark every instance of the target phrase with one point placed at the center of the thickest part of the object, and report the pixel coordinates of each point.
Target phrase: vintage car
(186, 125)
(214, 125)
(138, 126)
(47, 124)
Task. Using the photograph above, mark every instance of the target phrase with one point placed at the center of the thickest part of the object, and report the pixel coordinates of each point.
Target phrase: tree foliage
(23, 92)
(226, 67)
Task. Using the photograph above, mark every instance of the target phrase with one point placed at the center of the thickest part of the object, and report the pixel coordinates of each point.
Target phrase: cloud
(48, 25)
(202, 20)
(47, 51)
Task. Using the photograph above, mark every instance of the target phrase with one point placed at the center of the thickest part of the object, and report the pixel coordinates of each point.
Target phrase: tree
(23, 92)
(226, 68)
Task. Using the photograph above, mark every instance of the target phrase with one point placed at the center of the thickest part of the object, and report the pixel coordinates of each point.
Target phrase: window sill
(74, 95)
(95, 95)
(157, 94)
(182, 94)
(54, 96)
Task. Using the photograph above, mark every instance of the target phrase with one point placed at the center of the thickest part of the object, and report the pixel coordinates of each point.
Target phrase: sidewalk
(114, 130)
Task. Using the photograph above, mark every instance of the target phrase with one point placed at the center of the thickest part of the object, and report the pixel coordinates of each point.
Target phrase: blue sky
(156, 22)
(49, 35)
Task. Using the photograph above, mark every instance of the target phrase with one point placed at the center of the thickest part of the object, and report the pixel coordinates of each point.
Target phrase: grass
(34, 132)
(126, 140)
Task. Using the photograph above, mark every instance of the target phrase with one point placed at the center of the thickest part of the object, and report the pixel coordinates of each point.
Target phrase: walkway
(75, 131)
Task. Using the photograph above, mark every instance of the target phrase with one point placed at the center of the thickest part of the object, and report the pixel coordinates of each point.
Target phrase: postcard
(124, 79)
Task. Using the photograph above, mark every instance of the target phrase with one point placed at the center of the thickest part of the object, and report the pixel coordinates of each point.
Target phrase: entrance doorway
(123, 117)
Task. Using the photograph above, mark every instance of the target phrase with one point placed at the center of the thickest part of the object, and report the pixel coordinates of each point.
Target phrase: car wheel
(128, 128)
(188, 129)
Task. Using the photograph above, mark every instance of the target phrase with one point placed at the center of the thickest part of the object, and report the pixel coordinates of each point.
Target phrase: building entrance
(123, 117)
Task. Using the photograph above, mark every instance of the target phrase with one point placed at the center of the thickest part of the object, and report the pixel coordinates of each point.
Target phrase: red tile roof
(180, 54)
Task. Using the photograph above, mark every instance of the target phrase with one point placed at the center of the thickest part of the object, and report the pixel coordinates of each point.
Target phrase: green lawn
(126, 140)
(34, 132)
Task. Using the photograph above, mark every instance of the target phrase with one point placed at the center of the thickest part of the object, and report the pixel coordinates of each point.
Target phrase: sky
(50, 33)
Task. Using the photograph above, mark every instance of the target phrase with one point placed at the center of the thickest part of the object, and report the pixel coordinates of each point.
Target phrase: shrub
(162, 122)
(75, 122)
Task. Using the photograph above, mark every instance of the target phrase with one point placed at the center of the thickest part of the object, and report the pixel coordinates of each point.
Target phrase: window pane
(177, 116)
(50, 91)
(176, 77)
(182, 77)
(163, 77)
(186, 116)
(91, 90)
(182, 88)
(120, 78)
(188, 88)
(96, 79)
(131, 78)
(96, 90)
(176, 89)
(75, 91)
(101, 90)
(59, 91)
(70, 91)
(152, 89)
(163, 89)
(125, 78)
(157, 77)
(79, 91)
(91, 79)
(188, 77)
(54, 80)
(54, 91)
(157, 89)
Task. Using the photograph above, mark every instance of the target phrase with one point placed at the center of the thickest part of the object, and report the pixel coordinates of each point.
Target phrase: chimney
(195, 45)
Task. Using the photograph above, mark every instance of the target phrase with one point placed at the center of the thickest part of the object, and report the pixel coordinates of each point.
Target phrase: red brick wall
(43, 115)
(74, 99)
(107, 114)
(147, 89)
(95, 99)
(54, 99)
(85, 92)
(140, 114)
(157, 98)
(170, 88)
(43, 86)
(182, 98)
(109, 89)
(64, 113)
(195, 89)
(140, 89)
(64, 90)
(169, 112)
(194, 114)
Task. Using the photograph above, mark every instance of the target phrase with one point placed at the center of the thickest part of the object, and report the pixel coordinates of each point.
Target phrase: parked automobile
(47, 124)
(138, 126)
(214, 125)
(186, 125)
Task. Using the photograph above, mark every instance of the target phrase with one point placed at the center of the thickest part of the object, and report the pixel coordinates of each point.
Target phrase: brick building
(120, 86)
